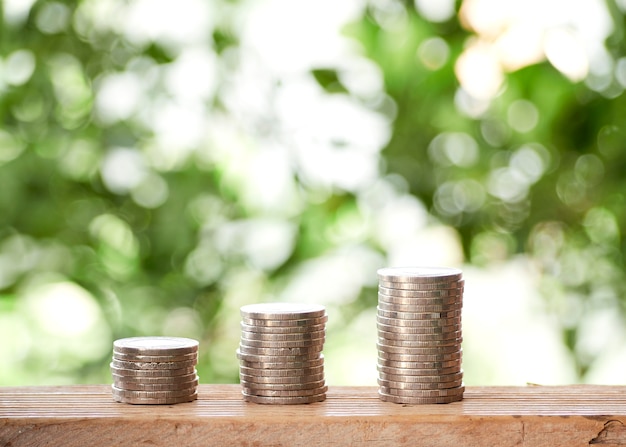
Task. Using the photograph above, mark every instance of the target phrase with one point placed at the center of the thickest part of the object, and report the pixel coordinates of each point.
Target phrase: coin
(275, 358)
(283, 386)
(151, 372)
(439, 315)
(415, 286)
(280, 311)
(402, 357)
(274, 364)
(284, 393)
(317, 343)
(420, 386)
(415, 333)
(138, 386)
(418, 309)
(310, 350)
(423, 393)
(153, 394)
(156, 380)
(420, 365)
(418, 400)
(440, 378)
(286, 330)
(444, 295)
(408, 341)
(419, 274)
(443, 324)
(284, 400)
(153, 365)
(291, 380)
(398, 315)
(428, 350)
(154, 358)
(294, 372)
(155, 345)
(417, 371)
(284, 338)
(285, 323)
(155, 401)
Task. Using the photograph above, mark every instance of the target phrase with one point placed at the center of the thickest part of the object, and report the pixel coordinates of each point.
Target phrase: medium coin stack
(154, 370)
(419, 335)
(280, 353)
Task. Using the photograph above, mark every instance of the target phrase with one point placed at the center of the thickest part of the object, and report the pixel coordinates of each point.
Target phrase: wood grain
(488, 416)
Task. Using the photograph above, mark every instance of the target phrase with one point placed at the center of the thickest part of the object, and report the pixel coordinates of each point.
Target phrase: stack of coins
(154, 370)
(280, 354)
(419, 335)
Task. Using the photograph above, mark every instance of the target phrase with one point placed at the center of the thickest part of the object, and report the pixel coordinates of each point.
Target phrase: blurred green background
(163, 163)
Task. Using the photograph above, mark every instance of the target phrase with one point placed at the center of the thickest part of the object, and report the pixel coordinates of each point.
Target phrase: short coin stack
(154, 370)
(419, 335)
(280, 353)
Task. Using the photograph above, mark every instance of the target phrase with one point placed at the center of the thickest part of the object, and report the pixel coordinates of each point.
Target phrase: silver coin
(153, 394)
(277, 358)
(416, 306)
(138, 386)
(282, 311)
(413, 304)
(397, 315)
(420, 365)
(284, 393)
(406, 341)
(419, 274)
(419, 386)
(152, 372)
(308, 351)
(418, 400)
(283, 330)
(430, 323)
(444, 295)
(423, 393)
(416, 333)
(317, 343)
(285, 323)
(284, 400)
(444, 380)
(444, 314)
(421, 329)
(275, 380)
(154, 358)
(418, 371)
(440, 350)
(402, 357)
(155, 401)
(415, 286)
(155, 345)
(283, 386)
(276, 365)
(295, 372)
(284, 338)
(153, 365)
(167, 380)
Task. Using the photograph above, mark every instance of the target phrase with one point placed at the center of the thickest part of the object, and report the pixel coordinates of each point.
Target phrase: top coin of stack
(280, 353)
(154, 370)
(419, 335)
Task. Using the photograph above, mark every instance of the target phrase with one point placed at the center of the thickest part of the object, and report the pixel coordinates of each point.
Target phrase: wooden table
(87, 416)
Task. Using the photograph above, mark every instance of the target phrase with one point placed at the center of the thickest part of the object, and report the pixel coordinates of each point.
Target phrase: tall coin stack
(419, 335)
(154, 370)
(280, 353)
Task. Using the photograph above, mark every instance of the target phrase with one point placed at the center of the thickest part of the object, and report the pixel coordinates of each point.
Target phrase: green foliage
(171, 252)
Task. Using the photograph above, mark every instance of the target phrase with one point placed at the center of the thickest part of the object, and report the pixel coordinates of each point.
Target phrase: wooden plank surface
(488, 416)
